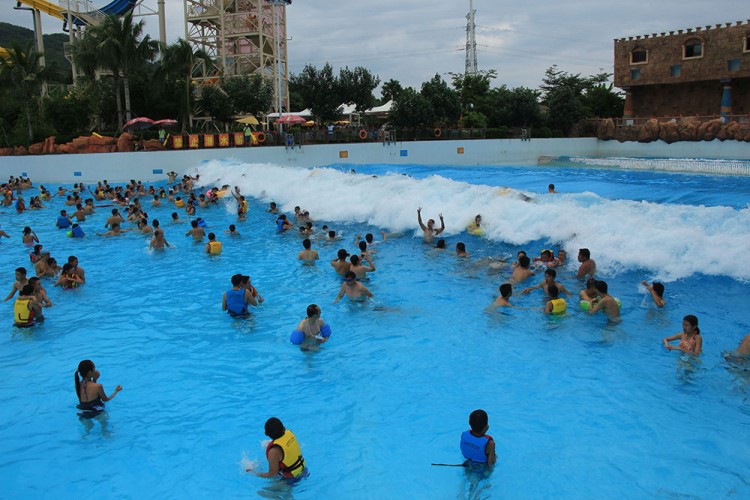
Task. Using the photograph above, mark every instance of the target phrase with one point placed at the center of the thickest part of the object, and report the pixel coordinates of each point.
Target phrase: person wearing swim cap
(478, 447)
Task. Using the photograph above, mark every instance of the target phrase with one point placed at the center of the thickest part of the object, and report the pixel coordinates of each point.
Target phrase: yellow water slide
(45, 7)
(3, 53)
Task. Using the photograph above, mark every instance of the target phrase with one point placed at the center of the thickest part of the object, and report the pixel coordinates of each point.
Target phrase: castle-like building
(703, 71)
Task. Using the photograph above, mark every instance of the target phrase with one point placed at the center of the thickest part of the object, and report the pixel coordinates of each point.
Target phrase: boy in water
(555, 305)
(606, 302)
(308, 254)
(522, 272)
(506, 290)
(283, 453)
(477, 446)
(656, 290)
(549, 279)
(353, 288)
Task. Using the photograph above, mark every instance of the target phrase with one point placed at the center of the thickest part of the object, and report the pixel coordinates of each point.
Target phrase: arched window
(692, 49)
(639, 56)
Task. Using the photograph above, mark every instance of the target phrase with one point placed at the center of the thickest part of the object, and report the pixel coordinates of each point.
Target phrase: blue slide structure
(114, 8)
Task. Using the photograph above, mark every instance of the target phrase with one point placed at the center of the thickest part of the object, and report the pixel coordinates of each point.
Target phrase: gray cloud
(411, 41)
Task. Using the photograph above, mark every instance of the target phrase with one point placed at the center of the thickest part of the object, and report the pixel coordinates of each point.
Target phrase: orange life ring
(363, 134)
(261, 137)
(438, 132)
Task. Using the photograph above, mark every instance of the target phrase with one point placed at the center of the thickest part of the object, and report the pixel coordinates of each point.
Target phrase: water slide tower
(243, 37)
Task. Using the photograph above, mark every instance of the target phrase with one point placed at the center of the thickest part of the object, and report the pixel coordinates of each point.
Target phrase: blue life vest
(63, 222)
(78, 232)
(236, 302)
(473, 448)
(280, 225)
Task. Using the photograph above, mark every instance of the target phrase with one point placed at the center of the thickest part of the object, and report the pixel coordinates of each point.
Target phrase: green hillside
(53, 46)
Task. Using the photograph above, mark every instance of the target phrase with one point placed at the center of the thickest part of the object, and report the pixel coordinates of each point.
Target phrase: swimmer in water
(91, 395)
(555, 305)
(588, 265)
(549, 279)
(741, 354)
(308, 254)
(232, 231)
(158, 242)
(606, 302)
(461, 249)
(76, 269)
(429, 230)
(690, 338)
(360, 270)
(236, 300)
(339, 264)
(503, 300)
(522, 272)
(196, 232)
(440, 245)
(312, 330)
(589, 294)
(19, 283)
(551, 189)
(656, 290)
(477, 446)
(283, 453)
(353, 289)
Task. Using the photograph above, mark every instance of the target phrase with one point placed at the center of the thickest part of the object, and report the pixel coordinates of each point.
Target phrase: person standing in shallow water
(477, 446)
(429, 230)
(283, 453)
(91, 395)
(690, 338)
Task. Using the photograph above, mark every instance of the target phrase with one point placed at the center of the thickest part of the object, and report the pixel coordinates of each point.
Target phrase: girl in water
(29, 237)
(91, 395)
(691, 341)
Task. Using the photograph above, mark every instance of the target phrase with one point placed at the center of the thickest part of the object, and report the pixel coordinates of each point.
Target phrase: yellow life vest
(243, 207)
(179, 203)
(558, 306)
(293, 464)
(214, 247)
(22, 315)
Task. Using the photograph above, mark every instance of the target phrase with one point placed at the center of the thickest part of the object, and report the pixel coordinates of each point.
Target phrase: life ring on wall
(261, 136)
(363, 134)
(438, 132)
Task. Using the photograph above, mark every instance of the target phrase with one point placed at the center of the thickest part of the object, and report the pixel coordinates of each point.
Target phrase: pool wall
(151, 166)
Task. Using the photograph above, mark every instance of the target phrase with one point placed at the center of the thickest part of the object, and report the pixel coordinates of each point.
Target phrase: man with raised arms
(429, 230)
(340, 265)
(359, 270)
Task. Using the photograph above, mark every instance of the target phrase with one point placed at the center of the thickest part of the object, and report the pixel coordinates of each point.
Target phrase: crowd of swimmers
(283, 453)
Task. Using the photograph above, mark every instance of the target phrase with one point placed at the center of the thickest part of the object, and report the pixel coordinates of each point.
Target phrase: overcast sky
(412, 40)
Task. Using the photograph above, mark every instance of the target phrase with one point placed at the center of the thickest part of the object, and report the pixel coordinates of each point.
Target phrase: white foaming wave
(669, 241)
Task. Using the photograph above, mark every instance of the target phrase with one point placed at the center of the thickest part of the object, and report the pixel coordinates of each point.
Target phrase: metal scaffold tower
(242, 37)
(471, 41)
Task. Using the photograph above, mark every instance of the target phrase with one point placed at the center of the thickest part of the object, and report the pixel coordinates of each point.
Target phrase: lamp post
(277, 15)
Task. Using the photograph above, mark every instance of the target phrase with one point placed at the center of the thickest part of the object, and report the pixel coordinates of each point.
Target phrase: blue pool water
(578, 407)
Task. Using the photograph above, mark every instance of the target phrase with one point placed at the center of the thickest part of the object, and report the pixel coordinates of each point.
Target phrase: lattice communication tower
(471, 41)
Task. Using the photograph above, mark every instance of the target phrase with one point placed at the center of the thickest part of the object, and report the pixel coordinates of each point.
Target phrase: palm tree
(21, 73)
(181, 62)
(118, 45)
(91, 59)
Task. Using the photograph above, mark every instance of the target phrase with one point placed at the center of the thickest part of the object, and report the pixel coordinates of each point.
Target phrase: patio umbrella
(167, 122)
(248, 120)
(139, 123)
(291, 120)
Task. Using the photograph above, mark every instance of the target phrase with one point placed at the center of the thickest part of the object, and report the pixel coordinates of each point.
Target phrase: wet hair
(84, 367)
(281, 217)
(194, 223)
(551, 186)
(506, 290)
(693, 320)
(211, 236)
(27, 230)
(553, 291)
(551, 272)
(601, 286)
(440, 243)
(274, 428)
(460, 246)
(307, 243)
(37, 248)
(342, 253)
(354, 259)
(175, 216)
(331, 234)
(368, 237)
(478, 421)
(21, 270)
(363, 246)
(71, 259)
(350, 275)
(272, 204)
(232, 227)
(658, 288)
(33, 280)
(590, 283)
(521, 253)
(312, 310)
(524, 261)
(114, 211)
(66, 268)
(155, 223)
(585, 252)
(236, 279)
(28, 289)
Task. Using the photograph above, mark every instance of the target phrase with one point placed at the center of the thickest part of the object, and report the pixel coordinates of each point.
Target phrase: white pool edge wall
(152, 166)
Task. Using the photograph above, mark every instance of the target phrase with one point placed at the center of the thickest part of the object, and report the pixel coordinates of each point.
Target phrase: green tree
(412, 109)
(181, 63)
(22, 75)
(319, 90)
(391, 90)
(217, 104)
(473, 89)
(445, 101)
(69, 113)
(356, 87)
(249, 94)
(603, 101)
